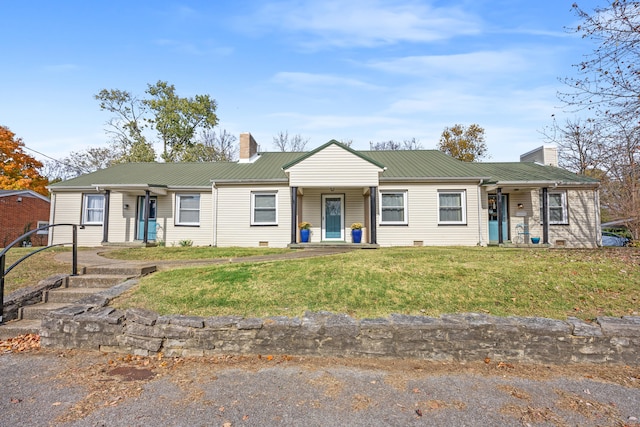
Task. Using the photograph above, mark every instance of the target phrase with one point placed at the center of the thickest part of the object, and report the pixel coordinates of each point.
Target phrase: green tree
(178, 119)
(127, 125)
(463, 143)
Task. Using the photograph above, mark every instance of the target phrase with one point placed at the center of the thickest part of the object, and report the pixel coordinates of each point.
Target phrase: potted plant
(305, 231)
(356, 232)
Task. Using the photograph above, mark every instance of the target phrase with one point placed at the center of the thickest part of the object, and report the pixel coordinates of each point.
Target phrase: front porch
(333, 245)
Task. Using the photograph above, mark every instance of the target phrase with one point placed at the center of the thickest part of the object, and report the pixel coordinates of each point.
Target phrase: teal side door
(151, 232)
(493, 217)
(333, 217)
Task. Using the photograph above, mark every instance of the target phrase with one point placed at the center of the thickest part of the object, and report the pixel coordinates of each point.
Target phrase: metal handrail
(3, 272)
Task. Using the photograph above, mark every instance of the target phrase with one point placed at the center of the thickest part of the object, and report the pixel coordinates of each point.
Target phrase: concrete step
(121, 269)
(70, 295)
(97, 280)
(19, 327)
(37, 311)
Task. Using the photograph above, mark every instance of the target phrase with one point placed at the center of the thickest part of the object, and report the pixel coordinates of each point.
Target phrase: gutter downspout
(52, 218)
(480, 243)
(596, 208)
(214, 190)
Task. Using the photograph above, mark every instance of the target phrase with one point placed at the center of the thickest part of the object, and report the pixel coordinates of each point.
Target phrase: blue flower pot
(356, 235)
(535, 240)
(304, 235)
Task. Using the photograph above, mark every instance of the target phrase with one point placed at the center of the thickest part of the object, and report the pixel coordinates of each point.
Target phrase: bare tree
(81, 162)
(213, 147)
(407, 144)
(621, 184)
(581, 144)
(283, 142)
(608, 79)
(608, 83)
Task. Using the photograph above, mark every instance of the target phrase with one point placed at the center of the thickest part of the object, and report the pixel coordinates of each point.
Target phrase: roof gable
(334, 165)
(324, 146)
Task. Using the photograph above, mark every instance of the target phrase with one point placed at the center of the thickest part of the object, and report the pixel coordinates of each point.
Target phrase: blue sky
(360, 70)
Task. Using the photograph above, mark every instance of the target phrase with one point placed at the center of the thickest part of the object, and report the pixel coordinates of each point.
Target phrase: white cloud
(312, 122)
(447, 66)
(308, 80)
(365, 23)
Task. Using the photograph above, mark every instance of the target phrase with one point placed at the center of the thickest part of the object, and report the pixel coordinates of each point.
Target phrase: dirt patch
(528, 415)
(127, 373)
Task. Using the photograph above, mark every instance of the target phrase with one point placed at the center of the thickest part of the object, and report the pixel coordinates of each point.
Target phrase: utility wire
(54, 159)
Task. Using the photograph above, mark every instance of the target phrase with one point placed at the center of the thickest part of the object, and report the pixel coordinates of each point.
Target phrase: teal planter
(356, 235)
(535, 240)
(304, 235)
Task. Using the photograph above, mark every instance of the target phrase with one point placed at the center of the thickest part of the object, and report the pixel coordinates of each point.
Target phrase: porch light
(520, 206)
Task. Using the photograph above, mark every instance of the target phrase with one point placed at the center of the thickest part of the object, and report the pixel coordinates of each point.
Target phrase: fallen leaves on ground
(20, 344)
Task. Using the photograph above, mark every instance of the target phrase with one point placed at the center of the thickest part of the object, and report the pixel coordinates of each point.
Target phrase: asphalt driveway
(74, 388)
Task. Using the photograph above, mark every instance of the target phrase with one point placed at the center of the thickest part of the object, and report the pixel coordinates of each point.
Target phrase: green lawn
(166, 253)
(35, 268)
(422, 281)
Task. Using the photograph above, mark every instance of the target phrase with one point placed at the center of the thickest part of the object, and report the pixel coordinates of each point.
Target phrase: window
(393, 207)
(187, 209)
(557, 207)
(452, 207)
(264, 209)
(93, 209)
(42, 224)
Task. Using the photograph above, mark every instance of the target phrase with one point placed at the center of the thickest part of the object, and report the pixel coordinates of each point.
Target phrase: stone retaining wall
(29, 296)
(464, 337)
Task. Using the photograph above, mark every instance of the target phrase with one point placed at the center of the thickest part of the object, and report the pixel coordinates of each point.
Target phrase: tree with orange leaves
(18, 170)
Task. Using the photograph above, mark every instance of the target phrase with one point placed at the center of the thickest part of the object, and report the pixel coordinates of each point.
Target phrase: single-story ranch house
(405, 198)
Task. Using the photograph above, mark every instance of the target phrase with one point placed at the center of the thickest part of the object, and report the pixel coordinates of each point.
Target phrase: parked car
(612, 239)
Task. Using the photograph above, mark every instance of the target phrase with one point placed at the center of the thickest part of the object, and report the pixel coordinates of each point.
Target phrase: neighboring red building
(21, 211)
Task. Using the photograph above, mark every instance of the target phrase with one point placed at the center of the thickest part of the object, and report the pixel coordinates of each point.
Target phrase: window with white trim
(452, 209)
(93, 209)
(264, 208)
(42, 224)
(393, 207)
(558, 213)
(187, 209)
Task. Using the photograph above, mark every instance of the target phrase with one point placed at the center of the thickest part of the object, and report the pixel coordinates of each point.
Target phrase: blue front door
(493, 218)
(151, 232)
(332, 217)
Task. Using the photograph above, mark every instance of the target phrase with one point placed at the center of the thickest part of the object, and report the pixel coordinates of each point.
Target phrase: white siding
(172, 234)
(233, 225)
(334, 167)
(68, 210)
(423, 218)
(122, 222)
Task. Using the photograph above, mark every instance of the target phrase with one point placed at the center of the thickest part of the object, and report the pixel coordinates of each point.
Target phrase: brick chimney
(248, 147)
